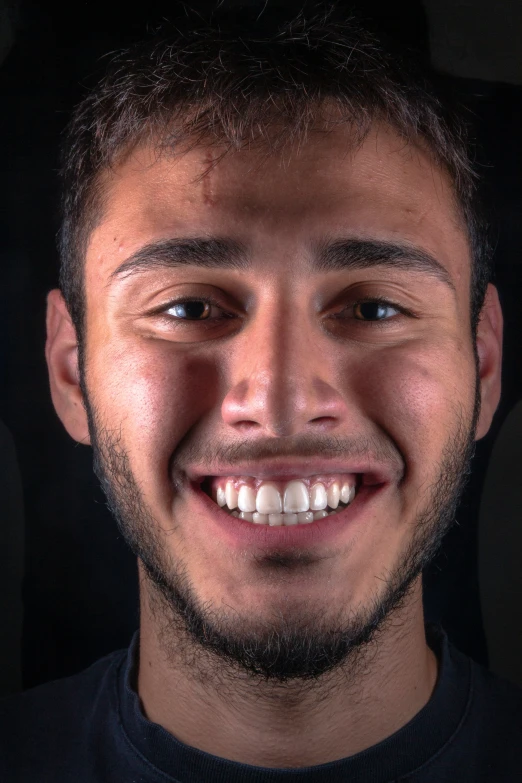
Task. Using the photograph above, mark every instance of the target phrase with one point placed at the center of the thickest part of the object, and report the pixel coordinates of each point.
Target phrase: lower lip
(240, 534)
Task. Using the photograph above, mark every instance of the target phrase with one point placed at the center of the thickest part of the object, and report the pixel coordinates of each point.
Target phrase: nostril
(246, 424)
(324, 420)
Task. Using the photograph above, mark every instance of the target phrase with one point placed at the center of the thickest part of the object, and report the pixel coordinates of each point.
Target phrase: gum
(325, 479)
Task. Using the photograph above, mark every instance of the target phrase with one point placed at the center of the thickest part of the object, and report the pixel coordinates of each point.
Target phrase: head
(273, 270)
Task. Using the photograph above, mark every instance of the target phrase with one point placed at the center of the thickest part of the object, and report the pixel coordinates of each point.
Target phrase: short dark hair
(242, 81)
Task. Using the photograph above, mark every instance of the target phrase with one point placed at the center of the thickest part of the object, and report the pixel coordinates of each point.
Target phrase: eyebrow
(172, 253)
(354, 254)
(340, 255)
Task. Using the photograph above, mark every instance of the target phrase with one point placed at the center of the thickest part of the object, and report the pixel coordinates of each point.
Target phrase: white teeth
(230, 495)
(268, 499)
(347, 493)
(296, 497)
(318, 498)
(246, 499)
(276, 520)
(295, 505)
(320, 514)
(221, 496)
(333, 494)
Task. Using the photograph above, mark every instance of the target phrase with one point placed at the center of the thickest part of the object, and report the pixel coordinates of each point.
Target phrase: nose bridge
(282, 367)
(279, 350)
(282, 384)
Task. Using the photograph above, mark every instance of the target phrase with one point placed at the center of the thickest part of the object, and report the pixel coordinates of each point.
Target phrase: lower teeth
(277, 520)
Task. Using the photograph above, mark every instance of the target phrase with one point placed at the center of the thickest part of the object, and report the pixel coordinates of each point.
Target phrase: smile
(278, 503)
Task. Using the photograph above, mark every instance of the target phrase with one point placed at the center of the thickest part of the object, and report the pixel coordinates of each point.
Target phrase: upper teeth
(293, 497)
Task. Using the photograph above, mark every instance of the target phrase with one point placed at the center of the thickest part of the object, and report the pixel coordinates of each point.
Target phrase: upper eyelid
(378, 300)
(163, 309)
(183, 299)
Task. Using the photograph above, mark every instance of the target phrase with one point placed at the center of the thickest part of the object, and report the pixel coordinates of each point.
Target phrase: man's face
(277, 363)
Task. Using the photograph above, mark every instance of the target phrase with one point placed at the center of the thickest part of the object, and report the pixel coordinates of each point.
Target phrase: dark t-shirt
(90, 729)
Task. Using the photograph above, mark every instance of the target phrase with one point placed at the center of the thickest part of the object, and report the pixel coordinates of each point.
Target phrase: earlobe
(489, 350)
(61, 353)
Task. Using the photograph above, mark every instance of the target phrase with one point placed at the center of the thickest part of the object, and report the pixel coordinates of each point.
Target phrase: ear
(489, 349)
(61, 352)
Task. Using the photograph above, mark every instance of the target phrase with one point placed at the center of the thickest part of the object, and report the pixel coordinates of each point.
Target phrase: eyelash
(379, 301)
(213, 302)
(162, 312)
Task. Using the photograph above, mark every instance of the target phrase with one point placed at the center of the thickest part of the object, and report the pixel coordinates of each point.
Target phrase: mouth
(270, 530)
(277, 503)
(281, 504)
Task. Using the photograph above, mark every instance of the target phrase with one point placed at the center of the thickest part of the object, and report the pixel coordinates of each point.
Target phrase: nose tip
(283, 406)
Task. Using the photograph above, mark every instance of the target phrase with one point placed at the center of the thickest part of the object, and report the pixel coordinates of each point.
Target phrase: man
(275, 329)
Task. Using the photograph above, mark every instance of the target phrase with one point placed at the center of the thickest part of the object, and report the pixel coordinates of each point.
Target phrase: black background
(80, 581)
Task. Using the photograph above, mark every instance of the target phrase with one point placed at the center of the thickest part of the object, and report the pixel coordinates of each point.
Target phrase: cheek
(154, 396)
(417, 395)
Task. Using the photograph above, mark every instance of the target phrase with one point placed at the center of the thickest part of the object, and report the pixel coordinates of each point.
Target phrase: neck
(288, 725)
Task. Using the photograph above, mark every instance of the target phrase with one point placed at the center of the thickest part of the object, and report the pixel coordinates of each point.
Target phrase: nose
(283, 381)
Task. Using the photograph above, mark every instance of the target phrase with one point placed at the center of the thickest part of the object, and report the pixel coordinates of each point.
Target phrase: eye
(374, 310)
(193, 310)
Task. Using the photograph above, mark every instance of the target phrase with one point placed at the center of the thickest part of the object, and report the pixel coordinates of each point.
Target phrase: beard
(303, 642)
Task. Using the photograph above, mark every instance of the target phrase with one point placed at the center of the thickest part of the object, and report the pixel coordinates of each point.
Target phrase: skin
(280, 371)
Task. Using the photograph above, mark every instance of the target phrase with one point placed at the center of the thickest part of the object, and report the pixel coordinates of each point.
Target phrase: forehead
(383, 188)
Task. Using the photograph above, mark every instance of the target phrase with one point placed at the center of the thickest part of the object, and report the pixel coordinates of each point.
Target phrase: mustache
(207, 451)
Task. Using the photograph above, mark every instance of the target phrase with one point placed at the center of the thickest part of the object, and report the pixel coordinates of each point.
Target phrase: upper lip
(373, 473)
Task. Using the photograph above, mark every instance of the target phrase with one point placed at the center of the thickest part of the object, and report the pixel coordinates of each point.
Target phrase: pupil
(372, 311)
(192, 310)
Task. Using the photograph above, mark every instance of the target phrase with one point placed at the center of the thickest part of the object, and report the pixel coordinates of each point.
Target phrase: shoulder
(64, 696)
(43, 721)
(488, 741)
(495, 700)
